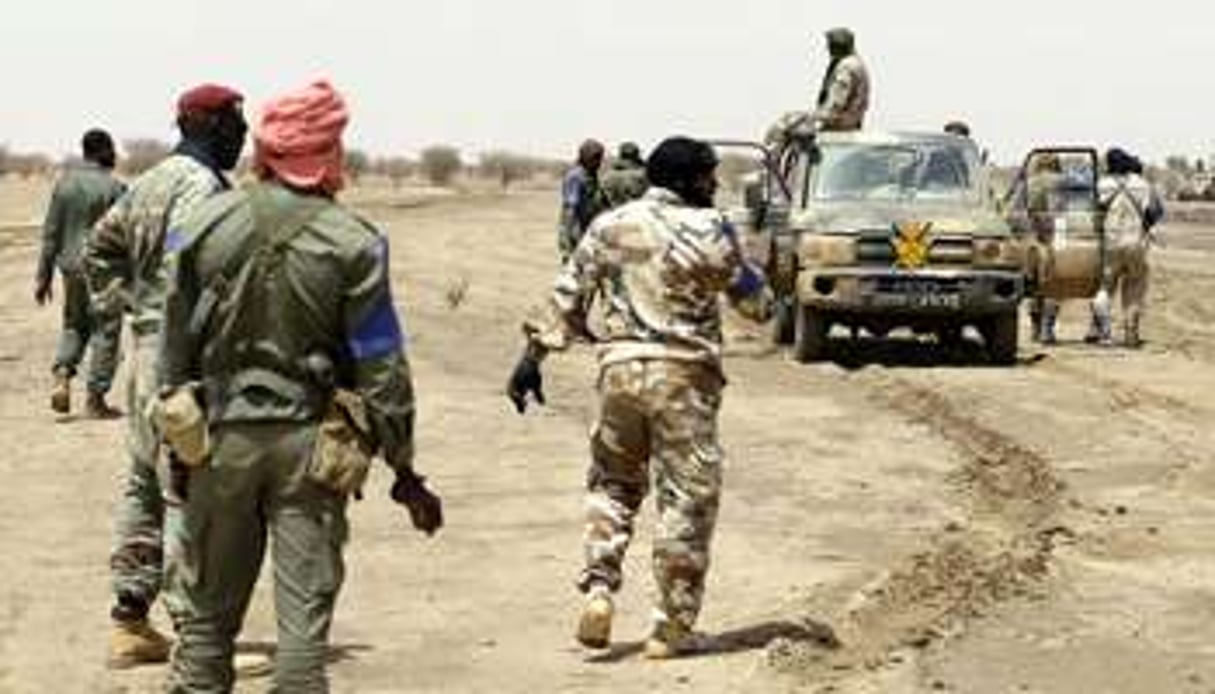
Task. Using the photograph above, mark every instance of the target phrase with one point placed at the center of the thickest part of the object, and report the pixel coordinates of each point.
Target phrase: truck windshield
(857, 171)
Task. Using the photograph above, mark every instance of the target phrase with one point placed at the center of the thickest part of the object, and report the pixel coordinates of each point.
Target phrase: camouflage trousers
(137, 557)
(84, 329)
(657, 419)
(1126, 276)
(254, 485)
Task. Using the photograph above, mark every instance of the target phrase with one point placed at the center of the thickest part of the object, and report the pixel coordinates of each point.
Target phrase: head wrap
(957, 127)
(841, 40)
(1121, 162)
(207, 98)
(299, 138)
(677, 162)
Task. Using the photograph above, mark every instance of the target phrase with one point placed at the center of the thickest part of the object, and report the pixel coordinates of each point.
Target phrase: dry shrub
(142, 154)
(440, 164)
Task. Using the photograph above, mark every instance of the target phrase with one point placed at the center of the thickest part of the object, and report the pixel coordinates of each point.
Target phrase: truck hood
(853, 217)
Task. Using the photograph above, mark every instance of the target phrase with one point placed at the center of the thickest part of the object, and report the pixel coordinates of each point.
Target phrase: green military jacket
(623, 182)
(80, 197)
(271, 321)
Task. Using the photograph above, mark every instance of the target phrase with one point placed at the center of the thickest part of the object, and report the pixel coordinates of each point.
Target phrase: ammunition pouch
(342, 455)
(179, 417)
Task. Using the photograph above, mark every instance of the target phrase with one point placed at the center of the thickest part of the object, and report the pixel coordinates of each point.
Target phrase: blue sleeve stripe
(379, 334)
(175, 239)
(747, 283)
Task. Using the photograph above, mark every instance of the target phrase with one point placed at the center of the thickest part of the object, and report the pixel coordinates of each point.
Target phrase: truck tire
(810, 339)
(1000, 338)
(784, 322)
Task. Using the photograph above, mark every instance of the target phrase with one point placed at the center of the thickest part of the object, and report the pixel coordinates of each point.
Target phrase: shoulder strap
(1135, 204)
(274, 227)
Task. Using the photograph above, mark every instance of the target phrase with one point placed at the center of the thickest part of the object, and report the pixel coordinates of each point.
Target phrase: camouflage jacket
(271, 324)
(81, 195)
(624, 181)
(125, 255)
(661, 267)
(847, 97)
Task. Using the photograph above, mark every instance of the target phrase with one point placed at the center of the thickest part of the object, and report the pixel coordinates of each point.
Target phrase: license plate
(903, 293)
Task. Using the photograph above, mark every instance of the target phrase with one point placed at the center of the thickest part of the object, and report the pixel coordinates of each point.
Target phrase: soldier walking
(81, 196)
(843, 97)
(1132, 208)
(281, 327)
(661, 263)
(126, 263)
(581, 197)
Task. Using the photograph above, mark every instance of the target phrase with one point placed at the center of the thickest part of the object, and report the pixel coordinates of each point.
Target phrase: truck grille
(877, 248)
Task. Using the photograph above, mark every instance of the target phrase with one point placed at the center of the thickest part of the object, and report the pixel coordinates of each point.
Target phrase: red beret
(207, 98)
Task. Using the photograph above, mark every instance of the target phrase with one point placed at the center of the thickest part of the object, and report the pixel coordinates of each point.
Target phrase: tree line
(439, 165)
(443, 165)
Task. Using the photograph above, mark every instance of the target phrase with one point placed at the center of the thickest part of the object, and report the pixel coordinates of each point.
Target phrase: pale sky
(537, 76)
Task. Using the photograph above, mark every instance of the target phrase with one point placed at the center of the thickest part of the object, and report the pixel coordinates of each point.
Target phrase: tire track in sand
(1000, 551)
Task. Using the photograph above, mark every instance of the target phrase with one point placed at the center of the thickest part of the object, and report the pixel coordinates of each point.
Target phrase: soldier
(81, 195)
(125, 261)
(280, 322)
(625, 179)
(581, 197)
(661, 262)
(843, 97)
(1132, 207)
(1044, 191)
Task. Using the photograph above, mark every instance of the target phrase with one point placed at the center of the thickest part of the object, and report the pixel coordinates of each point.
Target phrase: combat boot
(595, 625)
(1099, 331)
(96, 407)
(1046, 322)
(135, 643)
(671, 640)
(1046, 331)
(61, 392)
(1131, 330)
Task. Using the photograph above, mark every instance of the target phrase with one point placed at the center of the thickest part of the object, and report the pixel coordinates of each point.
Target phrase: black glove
(42, 291)
(425, 508)
(526, 378)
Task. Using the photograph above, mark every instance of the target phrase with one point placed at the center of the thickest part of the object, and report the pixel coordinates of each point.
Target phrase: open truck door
(755, 195)
(1054, 207)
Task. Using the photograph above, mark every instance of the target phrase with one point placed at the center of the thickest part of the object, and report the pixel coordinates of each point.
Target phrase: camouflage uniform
(661, 266)
(319, 314)
(81, 196)
(1131, 206)
(624, 181)
(125, 260)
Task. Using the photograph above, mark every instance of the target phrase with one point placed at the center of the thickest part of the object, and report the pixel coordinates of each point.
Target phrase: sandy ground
(1041, 528)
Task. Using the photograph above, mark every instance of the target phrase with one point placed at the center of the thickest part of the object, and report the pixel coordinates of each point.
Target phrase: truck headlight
(828, 250)
(997, 253)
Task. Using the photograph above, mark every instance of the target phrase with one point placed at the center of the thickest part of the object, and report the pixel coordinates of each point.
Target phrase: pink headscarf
(299, 138)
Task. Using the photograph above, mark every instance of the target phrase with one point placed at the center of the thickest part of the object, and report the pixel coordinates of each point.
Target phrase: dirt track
(1043, 528)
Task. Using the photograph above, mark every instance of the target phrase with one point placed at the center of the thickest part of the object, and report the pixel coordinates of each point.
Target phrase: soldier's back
(289, 262)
